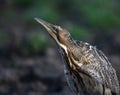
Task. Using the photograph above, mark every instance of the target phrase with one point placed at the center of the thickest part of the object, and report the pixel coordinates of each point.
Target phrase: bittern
(87, 70)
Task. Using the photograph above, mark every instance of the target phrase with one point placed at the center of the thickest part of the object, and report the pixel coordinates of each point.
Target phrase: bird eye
(55, 28)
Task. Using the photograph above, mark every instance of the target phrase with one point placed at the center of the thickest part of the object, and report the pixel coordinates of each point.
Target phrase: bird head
(60, 35)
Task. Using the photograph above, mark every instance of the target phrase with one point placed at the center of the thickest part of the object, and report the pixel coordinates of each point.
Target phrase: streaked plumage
(95, 73)
(87, 69)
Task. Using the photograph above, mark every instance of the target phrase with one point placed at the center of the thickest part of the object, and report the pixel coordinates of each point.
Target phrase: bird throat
(64, 47)
(70, 60)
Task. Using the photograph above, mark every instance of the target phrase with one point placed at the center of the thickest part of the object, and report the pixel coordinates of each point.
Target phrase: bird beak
(49, 27)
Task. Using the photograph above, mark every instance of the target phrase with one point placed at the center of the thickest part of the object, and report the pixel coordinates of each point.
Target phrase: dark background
(30, 63)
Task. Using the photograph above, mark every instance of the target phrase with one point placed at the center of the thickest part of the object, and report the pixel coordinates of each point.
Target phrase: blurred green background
(29, 59)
